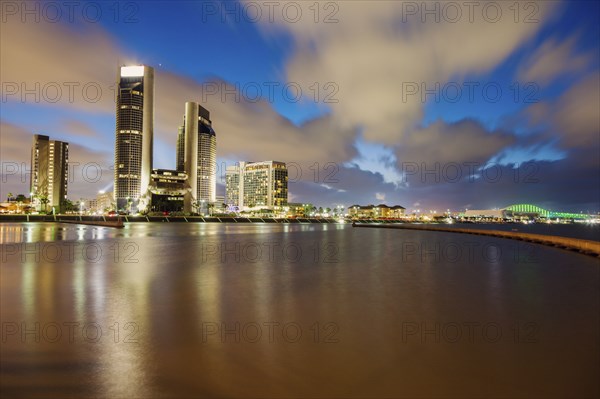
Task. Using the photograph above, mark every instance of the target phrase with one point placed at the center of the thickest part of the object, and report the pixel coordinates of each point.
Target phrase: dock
(587, 247)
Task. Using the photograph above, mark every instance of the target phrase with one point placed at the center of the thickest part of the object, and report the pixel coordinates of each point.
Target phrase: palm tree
(9, 196)
(196, 205)
(44, 200)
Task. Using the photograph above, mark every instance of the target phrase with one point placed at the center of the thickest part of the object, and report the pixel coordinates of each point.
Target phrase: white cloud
(371, 54)
(553, 59)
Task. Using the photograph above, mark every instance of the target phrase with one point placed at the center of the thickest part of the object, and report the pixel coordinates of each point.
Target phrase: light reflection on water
(356, 294)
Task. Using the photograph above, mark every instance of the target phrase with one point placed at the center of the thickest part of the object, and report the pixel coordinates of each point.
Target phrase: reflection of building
(197, 155)
(168, 188)
(376, 211)
(49, 171)
(257, 184)
(134, 135)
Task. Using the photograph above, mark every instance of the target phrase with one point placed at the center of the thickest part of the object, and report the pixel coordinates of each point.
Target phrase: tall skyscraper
(257, 184)
(134, 137)
(181, 148)
(49, 171)
(199, 155)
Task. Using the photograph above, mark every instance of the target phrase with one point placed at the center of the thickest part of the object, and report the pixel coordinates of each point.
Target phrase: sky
(428, 105)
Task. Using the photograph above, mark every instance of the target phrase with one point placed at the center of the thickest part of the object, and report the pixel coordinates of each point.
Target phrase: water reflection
(194, 310)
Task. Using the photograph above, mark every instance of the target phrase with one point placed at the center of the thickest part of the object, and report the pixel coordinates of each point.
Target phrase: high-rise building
(49, 172)
(199, 155)
(257, 184)
(134, 136)
(181, 148)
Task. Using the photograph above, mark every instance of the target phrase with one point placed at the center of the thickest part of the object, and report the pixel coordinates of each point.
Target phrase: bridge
(529, 208)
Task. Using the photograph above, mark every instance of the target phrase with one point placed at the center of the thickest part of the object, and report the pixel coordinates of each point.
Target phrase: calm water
(213, 310)
(574, 230)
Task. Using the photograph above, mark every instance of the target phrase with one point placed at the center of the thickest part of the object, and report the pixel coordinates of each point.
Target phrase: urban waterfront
(288, 310)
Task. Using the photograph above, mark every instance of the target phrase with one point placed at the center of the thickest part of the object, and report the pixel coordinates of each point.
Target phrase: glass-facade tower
(134, 137)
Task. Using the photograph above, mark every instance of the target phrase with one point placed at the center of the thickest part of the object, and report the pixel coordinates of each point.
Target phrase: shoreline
(106, 220)
(586, 247)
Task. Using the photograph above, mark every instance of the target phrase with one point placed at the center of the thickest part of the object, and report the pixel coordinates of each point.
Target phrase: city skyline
(401, 139)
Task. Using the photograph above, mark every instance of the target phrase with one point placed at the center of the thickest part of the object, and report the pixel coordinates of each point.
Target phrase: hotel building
(134, 136)
(49, 172)
(104, 201)
(257, 184)
(197, 155)
(381, 211)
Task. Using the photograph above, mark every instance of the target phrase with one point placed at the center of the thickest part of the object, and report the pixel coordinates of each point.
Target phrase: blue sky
(365, 62)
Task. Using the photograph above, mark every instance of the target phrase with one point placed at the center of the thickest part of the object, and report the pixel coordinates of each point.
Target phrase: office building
(134, 137)
(257, 185)
(168, 188)
(197, 147)
(49, 172)
(181, 149)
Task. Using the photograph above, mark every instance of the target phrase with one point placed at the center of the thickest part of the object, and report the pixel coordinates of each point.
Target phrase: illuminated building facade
(257, 184)
(181, 149)
(134, 136)
(49, 172)
(197, 155)
(168, 188)
(104, 201)
(381, 211)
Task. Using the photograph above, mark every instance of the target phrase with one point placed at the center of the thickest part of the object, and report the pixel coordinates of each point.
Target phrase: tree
(44, 200)
(196, 205)
(9, 197)
(21, 198)
(67, 206)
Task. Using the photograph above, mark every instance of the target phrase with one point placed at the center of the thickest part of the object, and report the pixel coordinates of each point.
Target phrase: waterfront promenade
(109, 220)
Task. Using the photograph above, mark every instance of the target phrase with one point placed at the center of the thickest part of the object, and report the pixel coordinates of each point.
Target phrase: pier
(587, 247)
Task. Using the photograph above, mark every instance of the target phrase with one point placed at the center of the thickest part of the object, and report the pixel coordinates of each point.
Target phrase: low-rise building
(105, 202)
(381, 211)
(167, 188)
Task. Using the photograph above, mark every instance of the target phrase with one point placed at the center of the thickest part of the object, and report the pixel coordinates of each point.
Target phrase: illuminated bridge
(532, 209)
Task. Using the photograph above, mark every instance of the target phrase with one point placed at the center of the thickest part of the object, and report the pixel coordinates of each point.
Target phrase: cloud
(377, 49)
(78, 128)
(553, 59)
(89, 171)
(246, 130)
(52, 55)
(442, 143)
(573, 118)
